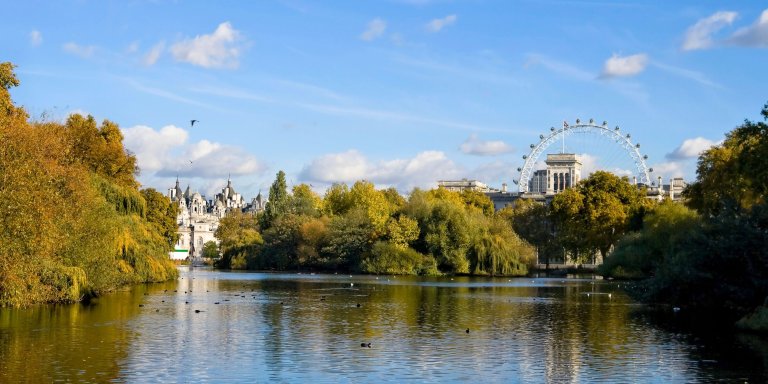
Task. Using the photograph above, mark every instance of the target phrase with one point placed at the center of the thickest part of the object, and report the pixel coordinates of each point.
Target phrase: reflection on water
(246, 327)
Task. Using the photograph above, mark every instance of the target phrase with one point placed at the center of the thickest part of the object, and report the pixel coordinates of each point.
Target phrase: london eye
(598, 145)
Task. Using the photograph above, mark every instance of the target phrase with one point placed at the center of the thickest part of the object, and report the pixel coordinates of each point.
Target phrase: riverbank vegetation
(73, 222)
(583, 223)
(363, 229)
(710, 255)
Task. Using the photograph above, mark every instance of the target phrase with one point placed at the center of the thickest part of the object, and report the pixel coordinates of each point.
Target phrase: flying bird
(192, 123)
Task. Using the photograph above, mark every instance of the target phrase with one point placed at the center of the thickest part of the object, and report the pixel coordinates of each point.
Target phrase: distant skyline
(401, 92)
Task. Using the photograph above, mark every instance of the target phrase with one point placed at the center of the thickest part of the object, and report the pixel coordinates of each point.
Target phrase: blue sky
(402, 92)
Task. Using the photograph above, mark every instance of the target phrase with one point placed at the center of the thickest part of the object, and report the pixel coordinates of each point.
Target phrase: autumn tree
(733, 175)
(337, 200)
(594, 214)
(304, 201)
(73, 222)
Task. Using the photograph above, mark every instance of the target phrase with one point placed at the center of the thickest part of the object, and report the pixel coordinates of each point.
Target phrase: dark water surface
(213, 326)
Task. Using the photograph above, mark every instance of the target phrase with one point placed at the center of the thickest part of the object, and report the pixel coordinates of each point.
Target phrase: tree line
(73, 221)
(710, 254)
(364, 229)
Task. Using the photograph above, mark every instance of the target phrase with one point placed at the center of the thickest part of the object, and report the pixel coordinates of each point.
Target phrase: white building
(463, 185)
(563, 172)
(198, 219)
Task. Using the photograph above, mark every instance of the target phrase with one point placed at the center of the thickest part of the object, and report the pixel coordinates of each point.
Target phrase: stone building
(563, 172)
(198, 219)
(463, 185)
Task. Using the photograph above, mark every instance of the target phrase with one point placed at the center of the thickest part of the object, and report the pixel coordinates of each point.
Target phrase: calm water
(255, 327)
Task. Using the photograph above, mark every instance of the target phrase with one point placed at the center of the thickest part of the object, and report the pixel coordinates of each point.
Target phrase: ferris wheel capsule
(637, 145)
(519, 169)
(525, 157)
(591, 121)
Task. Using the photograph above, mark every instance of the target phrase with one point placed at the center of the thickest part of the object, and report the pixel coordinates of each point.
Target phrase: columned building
(563, 171)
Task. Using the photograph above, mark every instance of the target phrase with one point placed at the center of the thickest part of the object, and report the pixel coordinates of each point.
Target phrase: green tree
(278, 203)
(496, 250)
(447, 236)
(304, 201)
(663, 236)
(364, 196)
(238, 230)
(349, 237)
(478, 200)
(313, 236)
(734, 174)
(722, 263)
(161, 213)
(594, 214)
(403, 231)
(531, 220)
(281, 243)
(394, 198)
(210, 250)
(337, 200)
(388, 258)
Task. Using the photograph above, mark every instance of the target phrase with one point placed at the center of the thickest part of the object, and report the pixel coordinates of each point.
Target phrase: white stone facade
(198, 219)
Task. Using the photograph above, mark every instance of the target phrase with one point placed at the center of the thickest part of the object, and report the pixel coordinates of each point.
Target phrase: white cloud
(756, 35)
(496, 170)
(671, 169)
(337, 167)
(151, 57)
(375, 29)
(617, 66)
(699, 36)
(474, 146)
(438, 24)
(422, 171)
(681, 162)
(35, 38)
(84, 51)
(221, 49)
(165, 153)
(153, 148)
(691, 148)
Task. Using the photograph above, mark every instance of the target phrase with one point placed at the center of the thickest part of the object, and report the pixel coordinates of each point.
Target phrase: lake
(212, 326)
